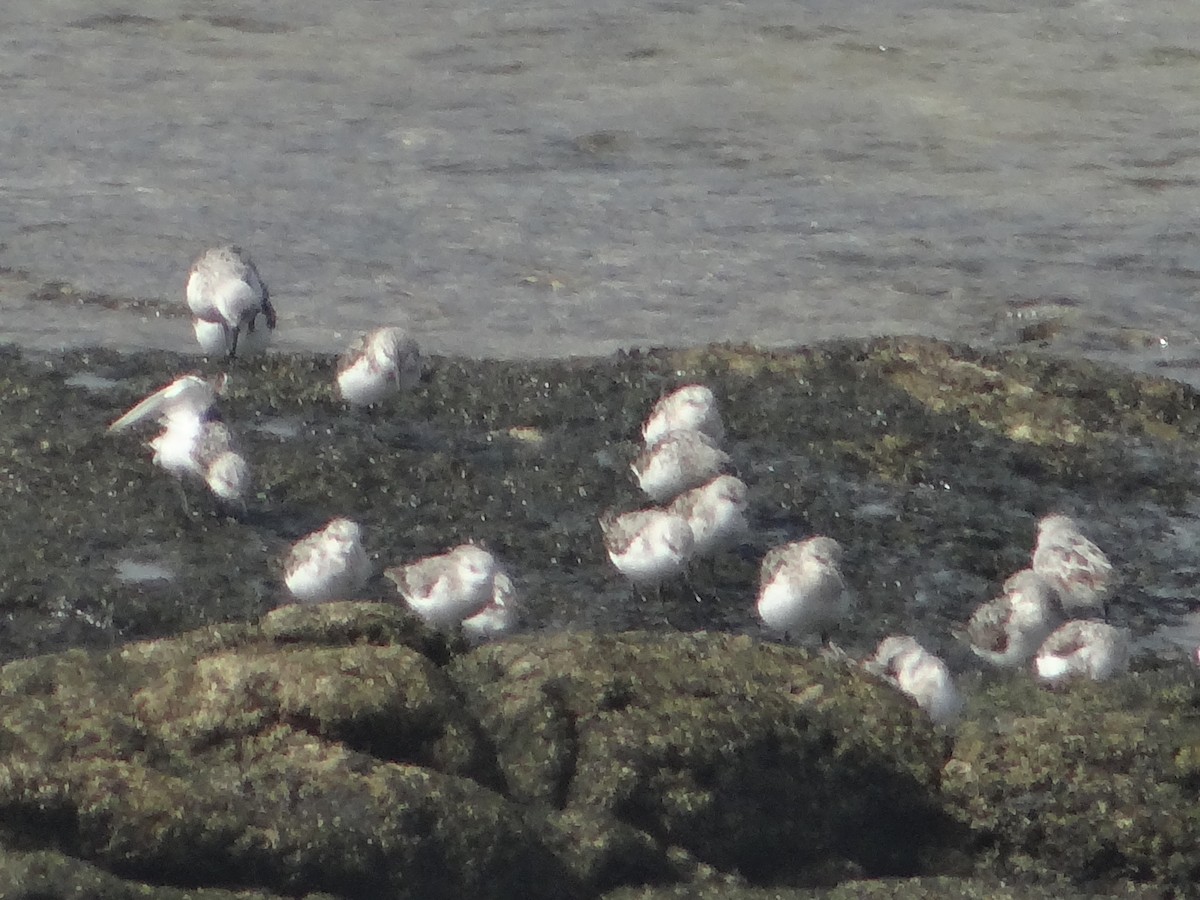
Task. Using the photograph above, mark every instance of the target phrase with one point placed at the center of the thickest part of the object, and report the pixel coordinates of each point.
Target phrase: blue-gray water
(521, 179)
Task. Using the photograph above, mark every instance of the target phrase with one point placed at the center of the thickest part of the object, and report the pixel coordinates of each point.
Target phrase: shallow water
(550, 179)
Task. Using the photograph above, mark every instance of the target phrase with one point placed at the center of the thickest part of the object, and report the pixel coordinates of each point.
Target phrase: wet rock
(342, 750)
(248, 757)
(929, 462)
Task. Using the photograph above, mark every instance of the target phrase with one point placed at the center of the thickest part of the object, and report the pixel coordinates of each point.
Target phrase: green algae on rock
(345, 750)
(753, 757)
(42, 875)
(927, 888)
(231, 758)
(1097, 783)
(239, 760)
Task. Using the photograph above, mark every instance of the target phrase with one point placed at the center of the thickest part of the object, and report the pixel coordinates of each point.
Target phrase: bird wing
(190, 394)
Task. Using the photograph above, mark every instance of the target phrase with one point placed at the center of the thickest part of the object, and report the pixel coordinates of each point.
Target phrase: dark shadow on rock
(754, 758)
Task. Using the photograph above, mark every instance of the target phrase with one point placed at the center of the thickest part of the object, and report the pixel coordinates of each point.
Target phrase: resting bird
(385, 360)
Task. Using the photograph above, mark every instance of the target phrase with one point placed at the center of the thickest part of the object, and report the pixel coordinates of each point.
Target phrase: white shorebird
(648, 546)
(205, 450)
(378, 363)
(499, 616)
(905, 664)
(1073, 565)
(801, 588)
(448, 588)
(716, 513)
(193, 443)
(1082, 648)
(329, 564)
(228, 299)
(679, 461)
(692, 407)
(1008, 630)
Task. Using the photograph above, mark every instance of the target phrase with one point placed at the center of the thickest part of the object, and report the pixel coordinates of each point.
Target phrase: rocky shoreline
(615, 746)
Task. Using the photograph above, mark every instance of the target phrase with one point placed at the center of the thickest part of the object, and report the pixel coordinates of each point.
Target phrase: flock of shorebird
(1051, 615)
(682, 467)
(231, 312)
(802, 589)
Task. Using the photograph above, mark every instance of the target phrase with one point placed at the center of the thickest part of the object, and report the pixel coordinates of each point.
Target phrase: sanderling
(1008, 630)
(227, 296)
(500, 614)
(448, 588)
(385, 360)
(648, 546)
(681, 460)
(193, 441)
(1086, 648)
(690, 408)
(801, 588)
(206, 450)
(1073, 565)
(716, 513)
(329, 564)
(905, 664)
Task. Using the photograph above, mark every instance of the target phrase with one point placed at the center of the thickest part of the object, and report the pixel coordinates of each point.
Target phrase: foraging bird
(329, 564)
(716, 513)
(692, 407)
(1084, 648)
(679, 461)
(228, 299)
(194, 442)
(1008, 630)
(648, 546)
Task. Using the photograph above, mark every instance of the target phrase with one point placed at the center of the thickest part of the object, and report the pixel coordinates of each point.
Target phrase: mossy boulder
(342, 750)
(1098, 784)
(237, 758)
(755, 758)
(353, 763)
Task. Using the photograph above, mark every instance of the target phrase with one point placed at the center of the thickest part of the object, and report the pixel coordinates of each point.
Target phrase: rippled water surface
(545, 179)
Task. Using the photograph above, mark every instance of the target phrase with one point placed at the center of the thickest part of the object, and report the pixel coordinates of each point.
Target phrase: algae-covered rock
(47, 874)
(361, 768)
(286, 766)
(929, 888)
(339, 750)
(1097, 783)
(753, 757)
